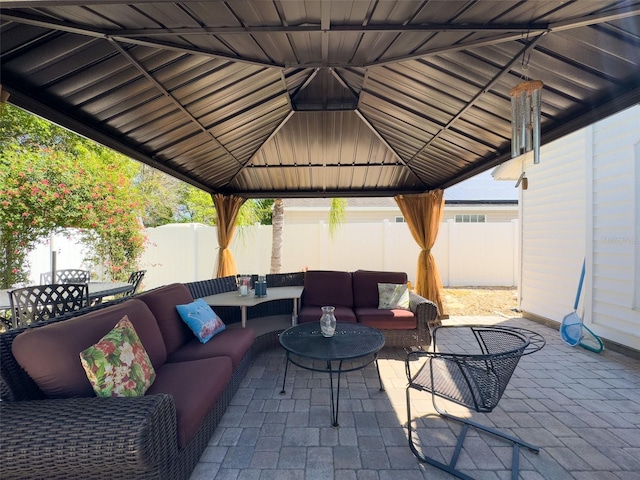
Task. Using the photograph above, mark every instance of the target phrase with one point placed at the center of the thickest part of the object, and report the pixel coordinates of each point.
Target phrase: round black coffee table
(351, 341)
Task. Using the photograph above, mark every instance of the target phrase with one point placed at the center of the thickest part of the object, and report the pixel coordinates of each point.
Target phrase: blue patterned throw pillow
(201, 319)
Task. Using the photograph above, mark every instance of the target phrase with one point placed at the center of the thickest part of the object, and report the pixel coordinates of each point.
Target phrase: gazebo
(318, 98)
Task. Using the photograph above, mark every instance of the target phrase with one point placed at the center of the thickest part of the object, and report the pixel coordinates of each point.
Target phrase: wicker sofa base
(34, 453)
(406, 338)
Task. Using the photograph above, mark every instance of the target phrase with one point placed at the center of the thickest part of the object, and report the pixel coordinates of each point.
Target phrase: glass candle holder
(244, 286)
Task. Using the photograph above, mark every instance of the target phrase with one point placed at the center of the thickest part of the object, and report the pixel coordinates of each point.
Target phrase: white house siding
(582, 202)
(613, 236)
(553, 228)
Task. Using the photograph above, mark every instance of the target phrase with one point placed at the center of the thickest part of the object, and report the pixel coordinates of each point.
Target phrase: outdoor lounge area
(335, 99)
(275, 420)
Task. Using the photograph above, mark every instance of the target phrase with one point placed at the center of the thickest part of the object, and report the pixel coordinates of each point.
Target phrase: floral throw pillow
(201, 319)
(393, 295)
(118, 365)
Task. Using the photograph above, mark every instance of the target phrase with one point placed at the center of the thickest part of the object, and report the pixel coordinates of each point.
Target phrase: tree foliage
(162, 194)
(196, 206)
(50, 179)
(264, 210)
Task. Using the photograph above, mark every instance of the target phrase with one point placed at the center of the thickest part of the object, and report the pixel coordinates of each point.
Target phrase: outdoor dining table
(97, 291)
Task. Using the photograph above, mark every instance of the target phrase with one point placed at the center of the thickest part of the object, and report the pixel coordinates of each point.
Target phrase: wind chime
(525, 118)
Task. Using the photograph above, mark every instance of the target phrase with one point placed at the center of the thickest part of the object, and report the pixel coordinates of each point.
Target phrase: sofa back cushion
(162, 302)
(365, 285)
(51, 354)
(327, 288)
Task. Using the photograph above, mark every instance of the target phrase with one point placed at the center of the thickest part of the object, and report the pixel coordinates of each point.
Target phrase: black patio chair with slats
(475, 375)
(70, 275)
(134, 279)
(41, 302)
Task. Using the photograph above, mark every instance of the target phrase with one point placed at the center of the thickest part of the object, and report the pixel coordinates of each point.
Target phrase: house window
(400, 220)
(466, 218)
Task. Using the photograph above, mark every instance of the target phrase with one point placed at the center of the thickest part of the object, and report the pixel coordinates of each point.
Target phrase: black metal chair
(134, 279)
(475, 378)
(41, 302)
(70, 275)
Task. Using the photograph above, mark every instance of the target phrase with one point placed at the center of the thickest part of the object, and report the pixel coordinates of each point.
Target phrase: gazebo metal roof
(316, 98)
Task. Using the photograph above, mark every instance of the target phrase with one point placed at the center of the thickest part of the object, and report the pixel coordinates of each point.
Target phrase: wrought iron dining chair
(70, 275)
(134, 279)
(475, 377)
(46, 278)
(40, 302)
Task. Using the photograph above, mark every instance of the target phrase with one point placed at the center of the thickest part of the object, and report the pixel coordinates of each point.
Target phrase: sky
(482, 187)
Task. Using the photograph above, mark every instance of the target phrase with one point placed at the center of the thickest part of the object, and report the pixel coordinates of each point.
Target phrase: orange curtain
(4, 96)
(227, 208)
(423, 213)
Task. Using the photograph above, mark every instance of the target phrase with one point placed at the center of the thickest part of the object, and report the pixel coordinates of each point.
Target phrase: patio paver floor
(581, 408)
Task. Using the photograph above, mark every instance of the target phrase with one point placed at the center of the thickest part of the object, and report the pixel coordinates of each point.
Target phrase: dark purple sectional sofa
(355, 298)
(74, 434)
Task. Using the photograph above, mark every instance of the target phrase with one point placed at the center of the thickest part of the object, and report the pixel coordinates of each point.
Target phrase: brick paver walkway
(581, 408)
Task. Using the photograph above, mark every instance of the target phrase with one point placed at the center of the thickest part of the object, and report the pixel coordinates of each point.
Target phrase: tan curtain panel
(227, 208)
(4, 96)
(423, 213)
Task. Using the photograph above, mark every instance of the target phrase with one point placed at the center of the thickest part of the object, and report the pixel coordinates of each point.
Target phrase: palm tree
(277, 222)
(336, 218)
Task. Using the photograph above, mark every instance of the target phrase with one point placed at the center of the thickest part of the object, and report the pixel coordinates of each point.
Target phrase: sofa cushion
(162, 302)
(365, 285)
(396, 319)
(50, 354)
(327, 288)
(393, 295)
(195, 387)
(201, 319)
(313, 314)
(232, 343)
(118, 365)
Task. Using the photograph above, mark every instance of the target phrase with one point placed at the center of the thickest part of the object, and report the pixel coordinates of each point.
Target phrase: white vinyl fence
(467, 254)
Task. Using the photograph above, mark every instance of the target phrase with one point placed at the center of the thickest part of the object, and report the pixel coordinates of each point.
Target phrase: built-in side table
(234, 299)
